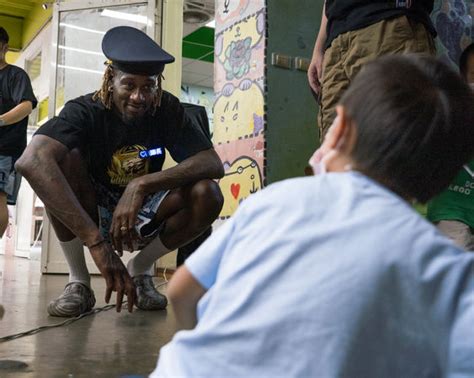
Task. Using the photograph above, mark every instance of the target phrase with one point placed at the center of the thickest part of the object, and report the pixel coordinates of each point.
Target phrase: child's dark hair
(414, 118)
(464, 58)
(4, 38)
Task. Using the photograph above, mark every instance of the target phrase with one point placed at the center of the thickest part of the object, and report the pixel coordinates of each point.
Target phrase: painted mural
(242, 179)
(228, 12)
(239, 106)
(238, 117)
(453, 22)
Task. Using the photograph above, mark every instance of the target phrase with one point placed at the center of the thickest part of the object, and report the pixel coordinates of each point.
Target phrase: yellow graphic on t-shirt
(126, 165)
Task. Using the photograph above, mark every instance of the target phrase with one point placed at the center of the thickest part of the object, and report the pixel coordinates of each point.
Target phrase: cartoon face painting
(241, 179)
(238, 112)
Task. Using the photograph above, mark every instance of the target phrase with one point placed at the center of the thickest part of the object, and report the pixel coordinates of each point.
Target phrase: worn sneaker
(148, 298)
(76, 299)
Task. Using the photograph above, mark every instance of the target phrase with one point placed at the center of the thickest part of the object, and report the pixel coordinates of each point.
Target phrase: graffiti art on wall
(239, 50)
(453, 22)
(242, 178)
(237, 116)
(230, 11)
(239, 107)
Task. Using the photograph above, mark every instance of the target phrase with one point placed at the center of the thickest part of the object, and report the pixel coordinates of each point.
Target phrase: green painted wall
(199, 45)
(291, 134)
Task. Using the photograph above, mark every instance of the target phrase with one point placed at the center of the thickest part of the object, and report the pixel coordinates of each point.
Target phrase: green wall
(291, 133)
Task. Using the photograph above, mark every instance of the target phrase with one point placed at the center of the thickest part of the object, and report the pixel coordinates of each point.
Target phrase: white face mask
(316, 162)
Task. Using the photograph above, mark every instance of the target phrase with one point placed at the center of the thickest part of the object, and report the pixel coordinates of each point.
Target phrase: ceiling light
(62, 47)
(80, 69)
(81, 28)
(196, 16)
(125, 16)
(46, 5)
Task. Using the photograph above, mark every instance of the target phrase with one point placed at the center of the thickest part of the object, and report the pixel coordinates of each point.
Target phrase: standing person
(353, 32)
(104, 153)
(453, 210)
(16, 103)
(345, 279)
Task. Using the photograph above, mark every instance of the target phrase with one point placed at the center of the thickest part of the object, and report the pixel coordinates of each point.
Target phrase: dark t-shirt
(15, 87)
(116, 152)
(346, 15)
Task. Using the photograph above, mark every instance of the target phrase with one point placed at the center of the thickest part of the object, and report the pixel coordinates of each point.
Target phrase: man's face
(3, 51)
(133, 95)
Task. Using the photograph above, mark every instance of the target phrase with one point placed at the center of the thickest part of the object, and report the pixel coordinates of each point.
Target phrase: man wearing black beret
(97, 167)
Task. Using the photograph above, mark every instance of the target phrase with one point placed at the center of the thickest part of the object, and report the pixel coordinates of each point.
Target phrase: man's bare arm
(22, 110)
(316, 66)
(184, 292)
(39, 164)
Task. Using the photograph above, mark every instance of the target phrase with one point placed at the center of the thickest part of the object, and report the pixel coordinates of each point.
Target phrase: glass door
(77, 67)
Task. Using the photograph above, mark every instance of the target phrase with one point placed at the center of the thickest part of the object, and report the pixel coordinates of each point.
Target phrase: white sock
(74, 253)
(143, 262)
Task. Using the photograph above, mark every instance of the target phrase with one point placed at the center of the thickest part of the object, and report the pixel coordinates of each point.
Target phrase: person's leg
(6, 167)
(187, 250)
(334, 82)
(186, 213)
(77, 297)
(3, 213)
(393, 36)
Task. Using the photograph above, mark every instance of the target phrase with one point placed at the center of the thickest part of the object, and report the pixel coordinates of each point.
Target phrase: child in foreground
(336, 275)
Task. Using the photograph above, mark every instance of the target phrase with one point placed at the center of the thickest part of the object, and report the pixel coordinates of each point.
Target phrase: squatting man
(97, 167)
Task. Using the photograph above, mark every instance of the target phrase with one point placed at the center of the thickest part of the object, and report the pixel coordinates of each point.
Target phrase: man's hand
(315, 72)
(115, 274)
(122, 229)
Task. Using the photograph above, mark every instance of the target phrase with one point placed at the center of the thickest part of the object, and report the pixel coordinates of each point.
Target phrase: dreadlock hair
(104, 94)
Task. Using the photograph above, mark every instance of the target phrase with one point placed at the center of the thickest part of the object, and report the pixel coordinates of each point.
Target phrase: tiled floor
(106, 344)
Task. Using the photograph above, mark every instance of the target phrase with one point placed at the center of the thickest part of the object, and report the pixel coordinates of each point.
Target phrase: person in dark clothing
(353, 33)
(17, 100)
(97, 166)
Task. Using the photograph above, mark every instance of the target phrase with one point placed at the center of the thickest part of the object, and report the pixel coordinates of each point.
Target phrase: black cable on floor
(64, 323)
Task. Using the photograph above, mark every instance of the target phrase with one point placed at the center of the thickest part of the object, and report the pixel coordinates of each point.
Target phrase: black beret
(132, 51)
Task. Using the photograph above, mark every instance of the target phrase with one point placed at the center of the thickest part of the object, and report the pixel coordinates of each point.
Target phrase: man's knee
(207, 194)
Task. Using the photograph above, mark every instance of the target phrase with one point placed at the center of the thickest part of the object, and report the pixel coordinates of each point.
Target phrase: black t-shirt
(116, 152)
(346, 15)
(15, 87)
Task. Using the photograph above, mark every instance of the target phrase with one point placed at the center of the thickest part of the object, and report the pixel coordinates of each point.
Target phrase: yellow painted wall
(12, 56)
(36, 19)
(14, 27)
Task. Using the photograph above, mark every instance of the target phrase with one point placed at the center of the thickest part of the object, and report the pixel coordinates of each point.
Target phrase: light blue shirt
(328, 276)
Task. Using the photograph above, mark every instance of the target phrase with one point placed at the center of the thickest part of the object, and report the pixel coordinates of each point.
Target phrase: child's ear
(338, 130)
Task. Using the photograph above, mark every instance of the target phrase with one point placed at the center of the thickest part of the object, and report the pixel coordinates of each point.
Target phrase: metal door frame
(48, 241)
